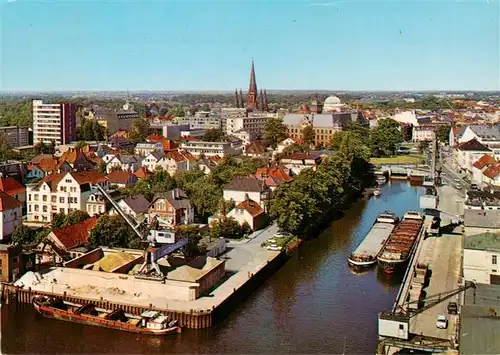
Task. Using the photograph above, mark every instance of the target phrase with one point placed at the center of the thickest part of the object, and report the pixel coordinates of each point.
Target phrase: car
(271, 240)
(452, 308)
(458, 187)
(281, 234)
(457, 180)
(474, 187)
(274, 248)
(441, 322)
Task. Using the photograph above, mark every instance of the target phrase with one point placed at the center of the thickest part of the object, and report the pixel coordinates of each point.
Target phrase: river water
(313, 304)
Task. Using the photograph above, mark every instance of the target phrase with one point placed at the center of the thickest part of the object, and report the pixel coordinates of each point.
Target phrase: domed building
(332, 104)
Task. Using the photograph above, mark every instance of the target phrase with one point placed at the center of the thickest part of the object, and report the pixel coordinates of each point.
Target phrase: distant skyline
(341, 45)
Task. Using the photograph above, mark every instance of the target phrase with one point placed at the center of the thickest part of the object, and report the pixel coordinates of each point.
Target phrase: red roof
(251, 207)
(11, 186)
(277, 175)
(294, 140)
(76, 234)
(484, 161)
(119, 176)
(473, 145)
(176, 156)
(142, 173)
(7, 202)
(492, 171)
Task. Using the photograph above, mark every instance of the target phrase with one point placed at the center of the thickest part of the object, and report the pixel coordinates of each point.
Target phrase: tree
(385, 136)
(227, 228)
(98, 131)
(139, 130)
(213, 135)
(422, 146)
(308, 135)
(443, 133)
(194, 235)
(80, 144)
(275, 131)
(336, 140)
(58, 220)
(75, 217)
(23, 235)
(102, 168)
(113, 231)
(358, 128)
(289, 150)
(5, 149)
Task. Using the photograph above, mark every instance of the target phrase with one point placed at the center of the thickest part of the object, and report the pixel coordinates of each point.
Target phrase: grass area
(399, 159)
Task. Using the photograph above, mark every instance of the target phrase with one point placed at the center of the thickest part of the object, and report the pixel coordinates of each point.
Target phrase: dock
(432, 280)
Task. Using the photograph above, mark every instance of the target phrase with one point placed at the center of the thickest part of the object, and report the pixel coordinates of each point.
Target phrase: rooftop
(473, 145)
(484, 241)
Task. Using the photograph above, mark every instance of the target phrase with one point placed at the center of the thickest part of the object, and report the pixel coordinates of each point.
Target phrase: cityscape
(255, 219)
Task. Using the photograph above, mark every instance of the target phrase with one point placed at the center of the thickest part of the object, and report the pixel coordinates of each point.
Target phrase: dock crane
(153, 252)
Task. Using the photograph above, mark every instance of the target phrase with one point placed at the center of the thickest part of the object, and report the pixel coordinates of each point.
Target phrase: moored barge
(401, 242)
(149, 322)
(366, 253)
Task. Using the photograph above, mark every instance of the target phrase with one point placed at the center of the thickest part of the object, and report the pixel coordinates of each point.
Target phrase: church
(255, 101)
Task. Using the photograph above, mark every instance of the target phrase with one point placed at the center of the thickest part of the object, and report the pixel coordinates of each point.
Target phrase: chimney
(247, 198)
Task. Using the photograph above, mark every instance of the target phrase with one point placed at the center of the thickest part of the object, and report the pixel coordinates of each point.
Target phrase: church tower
(252, 90)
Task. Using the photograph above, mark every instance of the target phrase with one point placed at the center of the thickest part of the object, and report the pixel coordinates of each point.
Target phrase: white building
(11, 212)
(143, 149)
(288, 142)
(243, 188)
(209, 149)
(408, 117)
(481, 258)
(124, 162)
(54, 122)
(151, 161)
(253, 124)
(489, 135)
(202, 120)
(480, 166)
(467, 153)
(423, 133)
(61, 193)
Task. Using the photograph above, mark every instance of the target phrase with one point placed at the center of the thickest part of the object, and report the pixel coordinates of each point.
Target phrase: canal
(313, 304)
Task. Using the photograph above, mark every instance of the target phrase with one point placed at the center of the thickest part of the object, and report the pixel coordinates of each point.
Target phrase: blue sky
(208, 45)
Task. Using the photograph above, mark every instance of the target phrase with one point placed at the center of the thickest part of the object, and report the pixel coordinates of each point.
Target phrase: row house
(97, 203)
(124, 162)
(60, 193)
(171, 209)
(467, 153)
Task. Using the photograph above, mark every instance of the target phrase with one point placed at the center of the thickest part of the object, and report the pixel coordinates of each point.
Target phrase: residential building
(61, 244)
(480, 166)
(173, 162)
(208, 149)
(121, 179)
(299, 161)
(124, 162)
(114, 120)
(61, 193)
(288, 142)
(273, 177)
(79, 159)
(96, 203)
(167, 143)
(167, 129)
(54, 122)
(150, 162)
(250, 212)
(144, 149)
(482, 258)
(324, 125)
(244, 136)
(171, 208)
(467, 153)
(14, 262)
(13, 188)
(231, 113)
(134, 206)
(142, 173)
(491, 175)
(488, 135)
(16, 136)
(202, 120)
(422, 133)
(11, 212)
(242, 188)
(256, 149)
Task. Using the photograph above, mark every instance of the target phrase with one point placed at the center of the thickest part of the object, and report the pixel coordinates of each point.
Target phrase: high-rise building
(54, 122)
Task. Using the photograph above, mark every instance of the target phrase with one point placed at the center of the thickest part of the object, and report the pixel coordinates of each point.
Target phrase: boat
(366, 253)
(377, 192)
(401, 242)
(149, 322)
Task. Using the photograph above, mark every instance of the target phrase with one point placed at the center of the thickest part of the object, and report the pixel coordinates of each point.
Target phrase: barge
(366, 253)
(149, 322)
(401, 242)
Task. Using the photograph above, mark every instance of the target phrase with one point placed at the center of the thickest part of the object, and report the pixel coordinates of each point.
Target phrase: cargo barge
(149, 322)
(366, 253)
(401, 242)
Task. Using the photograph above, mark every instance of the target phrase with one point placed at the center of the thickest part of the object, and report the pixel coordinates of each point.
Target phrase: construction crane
(153, 252)
(431, 301)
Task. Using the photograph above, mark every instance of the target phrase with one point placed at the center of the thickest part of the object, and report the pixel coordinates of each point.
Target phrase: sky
(209, 45)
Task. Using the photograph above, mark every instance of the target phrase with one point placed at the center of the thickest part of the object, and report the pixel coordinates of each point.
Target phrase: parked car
(457, 180)
(458, 187)
(280, 234)
(452, 308)
(474, 187)
(271, 240)
(441, 322)
(274, 248)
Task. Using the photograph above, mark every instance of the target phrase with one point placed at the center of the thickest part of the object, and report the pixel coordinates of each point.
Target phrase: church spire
(236, 99)
(265, 108)
(242, 102)
(252, 89)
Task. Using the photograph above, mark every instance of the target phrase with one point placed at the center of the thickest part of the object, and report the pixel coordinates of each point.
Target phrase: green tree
(194, 235)
(88, 130)
(113, 231)
(5, 149)
(75, 217)
(443, 133)
(98, 131)
(23, 235)
(358, 128)
(227, 228)
(308, 135)
(289, 150)
(336, 140)
(422, 146)
(102, 168)
(384, 137)
(213, 135)
(139, 130)
(80, 144)
(58, 220)
(275, 131)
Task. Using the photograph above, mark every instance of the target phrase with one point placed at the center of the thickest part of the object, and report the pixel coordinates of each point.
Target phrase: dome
(332, 100)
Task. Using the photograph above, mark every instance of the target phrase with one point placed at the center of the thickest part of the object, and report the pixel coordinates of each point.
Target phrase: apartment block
(16, 136)
(54, 122)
